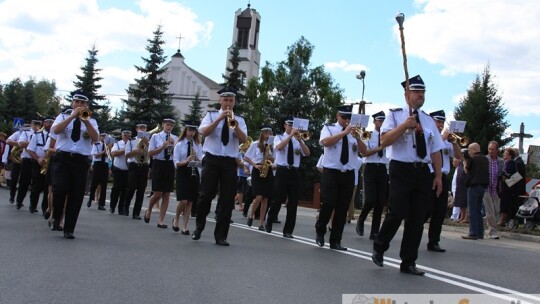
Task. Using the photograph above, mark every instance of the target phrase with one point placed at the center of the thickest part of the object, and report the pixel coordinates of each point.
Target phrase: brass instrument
(85, 114)
(461, 140)
(143, 157)
(244, 146)
(267, 163)
(231, 122)
(304, 135)
(16, 154)
(45, 166)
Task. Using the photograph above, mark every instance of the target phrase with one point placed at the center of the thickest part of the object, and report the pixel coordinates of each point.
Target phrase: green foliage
(294, 88)
(234, 80)
(27, 100)
(148, 100)
(483, 111)
(532, 170)
(195, 109)
(88, 83)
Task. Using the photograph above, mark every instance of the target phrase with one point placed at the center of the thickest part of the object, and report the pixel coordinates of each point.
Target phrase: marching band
(54, 155)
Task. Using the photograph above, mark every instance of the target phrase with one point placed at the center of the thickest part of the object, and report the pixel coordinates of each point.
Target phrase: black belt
(137, 164)
(288, 167)
(72, 155)
(412, 165)
(218, 156)
(338, 171)
(376, 164)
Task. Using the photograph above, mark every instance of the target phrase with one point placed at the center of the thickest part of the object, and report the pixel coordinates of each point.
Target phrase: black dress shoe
(276, 221)
(175, 228)
(136, 217)
(19, 205)
(111, 210)
(185, 232)
(126, 213)
(222, 243)
(11, 201)
(120, 212)
(69, 235)
(372, 236)
(377, 258)
(320, 240)
(89, 204)
(268, 227)
(101, 208)
(337, 246)
(261, 228)
(249, 222)
(146, 219)
(32, 210)
(360, 228)
(162, 226)
(196, 235)
(435, 247)
(411, 270)
(46, 215)
(288, 235)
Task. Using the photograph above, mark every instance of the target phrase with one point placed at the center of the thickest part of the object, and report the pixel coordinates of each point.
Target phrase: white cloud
(345, 66)
(463, 36)
(50, 39)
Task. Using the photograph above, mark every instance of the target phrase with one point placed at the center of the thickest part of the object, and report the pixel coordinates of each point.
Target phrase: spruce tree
(88, 83)
(483, 111)
(195, 109)
(148, 100)
(234, 79)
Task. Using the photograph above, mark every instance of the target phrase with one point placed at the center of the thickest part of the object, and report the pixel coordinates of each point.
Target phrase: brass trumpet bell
(365, 135)
(305, 135)
(85, 114)
(231, 122)
(462, 141)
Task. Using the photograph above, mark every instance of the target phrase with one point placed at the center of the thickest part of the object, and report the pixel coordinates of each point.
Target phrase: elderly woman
(508, 195)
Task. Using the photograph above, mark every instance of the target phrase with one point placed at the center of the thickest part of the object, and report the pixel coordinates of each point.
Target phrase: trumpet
(363, 135)
(231, 122)
(85, 114)
(461, 140)
(304, 135)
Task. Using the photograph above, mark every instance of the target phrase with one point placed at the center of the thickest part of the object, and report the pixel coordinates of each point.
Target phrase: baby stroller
(528, 211)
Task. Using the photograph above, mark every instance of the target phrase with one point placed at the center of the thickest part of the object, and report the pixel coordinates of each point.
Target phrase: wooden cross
(521, 135)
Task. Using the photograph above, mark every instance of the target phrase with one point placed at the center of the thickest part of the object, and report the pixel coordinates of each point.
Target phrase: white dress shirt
(281, 156)
(332, 154)
(371, 144)
(63, 140)
(181, 152)
(157, 141)
(212, 142)
(120, 160)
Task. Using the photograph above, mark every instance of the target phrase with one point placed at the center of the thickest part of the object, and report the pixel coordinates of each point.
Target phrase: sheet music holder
(359, 120)
(301, 124)
(457, 126)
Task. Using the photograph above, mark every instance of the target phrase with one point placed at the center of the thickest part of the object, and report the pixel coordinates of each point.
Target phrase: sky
(449, 43)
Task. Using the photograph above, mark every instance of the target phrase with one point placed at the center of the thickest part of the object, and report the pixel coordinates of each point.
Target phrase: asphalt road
(115, 259)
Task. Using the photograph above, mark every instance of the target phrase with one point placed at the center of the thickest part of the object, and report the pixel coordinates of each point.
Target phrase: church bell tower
(246, 36)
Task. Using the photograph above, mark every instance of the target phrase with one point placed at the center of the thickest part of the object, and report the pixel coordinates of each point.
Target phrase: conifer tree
(148, 100)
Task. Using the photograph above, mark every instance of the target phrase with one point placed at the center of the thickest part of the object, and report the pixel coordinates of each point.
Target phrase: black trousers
(119, 189)
(285, 190)
(410, 197)
(24, 179)
(15, 174)
(437, 212)
(336, 193)
(137, 181)
(69, 182)
(38, 186)
(99, 177)
(376, 194)
(216, 171)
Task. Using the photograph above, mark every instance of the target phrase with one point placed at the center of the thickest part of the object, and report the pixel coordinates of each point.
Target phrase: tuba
(16, 154)
(267, 163)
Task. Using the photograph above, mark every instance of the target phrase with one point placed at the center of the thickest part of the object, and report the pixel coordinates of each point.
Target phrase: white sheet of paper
(271, 140)
(457, 126)
(300, 124)
(359, 120)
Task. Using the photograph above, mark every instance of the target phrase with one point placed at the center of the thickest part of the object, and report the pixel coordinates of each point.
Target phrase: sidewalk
(506, 233)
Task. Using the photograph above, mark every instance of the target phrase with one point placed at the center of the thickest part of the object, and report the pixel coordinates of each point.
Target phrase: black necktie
(419, 136)
(103, 150)
(344, 150)
(380, 153)
(290, 153)
(76, 132)
(188, 149)
(167, 150)
(225, 133)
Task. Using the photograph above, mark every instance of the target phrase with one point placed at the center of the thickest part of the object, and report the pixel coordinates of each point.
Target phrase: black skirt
(187, 184)
(162, 175)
